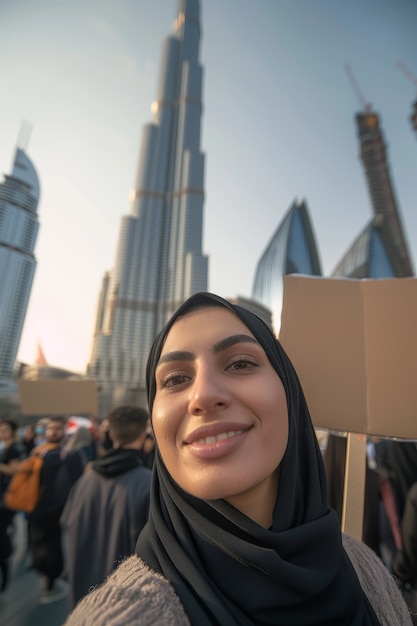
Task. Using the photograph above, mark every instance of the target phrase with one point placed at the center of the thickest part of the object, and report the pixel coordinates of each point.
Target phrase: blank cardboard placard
(58, 397)
(353, 344)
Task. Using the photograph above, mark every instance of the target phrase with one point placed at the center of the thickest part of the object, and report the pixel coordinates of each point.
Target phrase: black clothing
(401, 465)
(43, 523)
(405, 561)
(117, 461)
(28, 446)
(11, 453)
(227, 569)
(45, 545)
(104, 514)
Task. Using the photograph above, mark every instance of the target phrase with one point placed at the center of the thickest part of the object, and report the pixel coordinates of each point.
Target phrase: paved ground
(19, 604)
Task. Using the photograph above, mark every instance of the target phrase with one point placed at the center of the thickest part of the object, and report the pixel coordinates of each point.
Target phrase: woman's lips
(219, 437)
(211, 445)
(215, 432)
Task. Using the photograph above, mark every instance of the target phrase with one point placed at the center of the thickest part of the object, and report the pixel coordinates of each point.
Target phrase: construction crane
(407, 72)
(413, 79)
(365, 105)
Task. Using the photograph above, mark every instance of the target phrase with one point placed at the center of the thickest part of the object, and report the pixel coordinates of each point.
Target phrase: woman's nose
(207, 393)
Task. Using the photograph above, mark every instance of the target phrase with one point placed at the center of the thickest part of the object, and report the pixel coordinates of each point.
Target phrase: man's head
(127, 424)
(8, 429)
(55, 430)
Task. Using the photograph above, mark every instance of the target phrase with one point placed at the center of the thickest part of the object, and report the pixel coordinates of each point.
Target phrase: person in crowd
(44, 531)
(399, 458)
(105, 442)
(148, 448)
(379, 529)
(40, 431)
(108, 506)
(28, 438)
(11, 454)
(78, 451)
(404, 563)
(239, 530)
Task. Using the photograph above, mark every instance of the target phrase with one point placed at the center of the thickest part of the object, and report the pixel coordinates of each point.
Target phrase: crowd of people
(218, 506)
(94, 491)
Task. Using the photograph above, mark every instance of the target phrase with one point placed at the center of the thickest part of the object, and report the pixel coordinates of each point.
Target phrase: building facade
(19, 198)
(367, 257)
(159, 259)
(380, 250)
(291, 250)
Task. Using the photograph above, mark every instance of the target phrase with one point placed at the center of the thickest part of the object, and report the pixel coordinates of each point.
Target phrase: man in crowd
(108, 506)
(44, 530)
(11, 453)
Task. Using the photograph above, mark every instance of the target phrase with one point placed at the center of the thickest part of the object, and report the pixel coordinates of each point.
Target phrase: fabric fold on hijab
(227, 569)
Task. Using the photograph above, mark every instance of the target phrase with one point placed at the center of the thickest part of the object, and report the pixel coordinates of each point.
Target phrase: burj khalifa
(159, 260)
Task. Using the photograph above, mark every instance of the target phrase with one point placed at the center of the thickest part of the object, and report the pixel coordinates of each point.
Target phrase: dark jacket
(102, 518)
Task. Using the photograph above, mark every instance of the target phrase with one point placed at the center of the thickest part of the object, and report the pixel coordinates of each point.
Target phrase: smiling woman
(219, 403)
(239, 532)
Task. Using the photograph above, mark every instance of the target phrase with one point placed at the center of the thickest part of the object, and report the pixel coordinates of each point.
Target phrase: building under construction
(380, 250)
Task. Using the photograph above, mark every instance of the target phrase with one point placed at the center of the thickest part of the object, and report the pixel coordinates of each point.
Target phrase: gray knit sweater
(135, 595)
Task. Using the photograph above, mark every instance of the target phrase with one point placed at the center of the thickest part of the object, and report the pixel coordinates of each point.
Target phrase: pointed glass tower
(292, 249)
(19, 197)
(159, 259)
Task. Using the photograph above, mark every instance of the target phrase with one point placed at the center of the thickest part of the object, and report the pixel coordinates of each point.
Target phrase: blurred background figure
(78, 451)
(28, 438)
(104, 439)
(40, 429)
(10, 456)
(43, 523)
(399, 460)
(108, 506)
(148, 448)
(380, 522)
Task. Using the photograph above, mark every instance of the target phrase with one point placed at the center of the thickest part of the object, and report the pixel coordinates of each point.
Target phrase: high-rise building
(19, 197)
(159, 260)
(367, 257)
(291, 250)
(382, 247)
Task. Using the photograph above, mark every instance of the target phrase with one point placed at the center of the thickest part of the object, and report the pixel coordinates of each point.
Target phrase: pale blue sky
(278, 123)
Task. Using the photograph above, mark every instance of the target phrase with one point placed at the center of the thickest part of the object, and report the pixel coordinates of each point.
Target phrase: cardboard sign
(58, 397)
(353, 344)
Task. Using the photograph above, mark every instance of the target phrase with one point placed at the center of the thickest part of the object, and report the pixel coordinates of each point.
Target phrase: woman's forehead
(209, 323)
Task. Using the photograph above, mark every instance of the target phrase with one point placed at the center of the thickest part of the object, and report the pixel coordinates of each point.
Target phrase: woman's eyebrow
(176, 355)
(231, 341)
(223, 344)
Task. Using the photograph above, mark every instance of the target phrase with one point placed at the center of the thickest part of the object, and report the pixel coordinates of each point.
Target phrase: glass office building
(367, 257)
(291, 250)
(19, 198)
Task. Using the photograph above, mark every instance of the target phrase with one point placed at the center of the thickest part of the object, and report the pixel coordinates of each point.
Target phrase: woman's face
(220, 414)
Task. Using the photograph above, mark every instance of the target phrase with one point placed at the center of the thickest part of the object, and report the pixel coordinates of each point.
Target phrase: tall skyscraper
(159, 260)
(19, 197)
(381, 250)
(291, 250)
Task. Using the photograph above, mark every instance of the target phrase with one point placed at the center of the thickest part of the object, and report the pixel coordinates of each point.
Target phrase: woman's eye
(172, 380)
(243, 363)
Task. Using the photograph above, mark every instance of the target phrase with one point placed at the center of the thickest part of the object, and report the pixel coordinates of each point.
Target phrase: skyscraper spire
(159, 259)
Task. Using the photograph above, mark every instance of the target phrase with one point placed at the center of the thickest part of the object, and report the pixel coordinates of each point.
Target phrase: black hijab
(227, 569)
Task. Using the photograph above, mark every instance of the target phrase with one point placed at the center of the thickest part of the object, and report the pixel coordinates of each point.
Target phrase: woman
(10, 456)
(239, 532)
